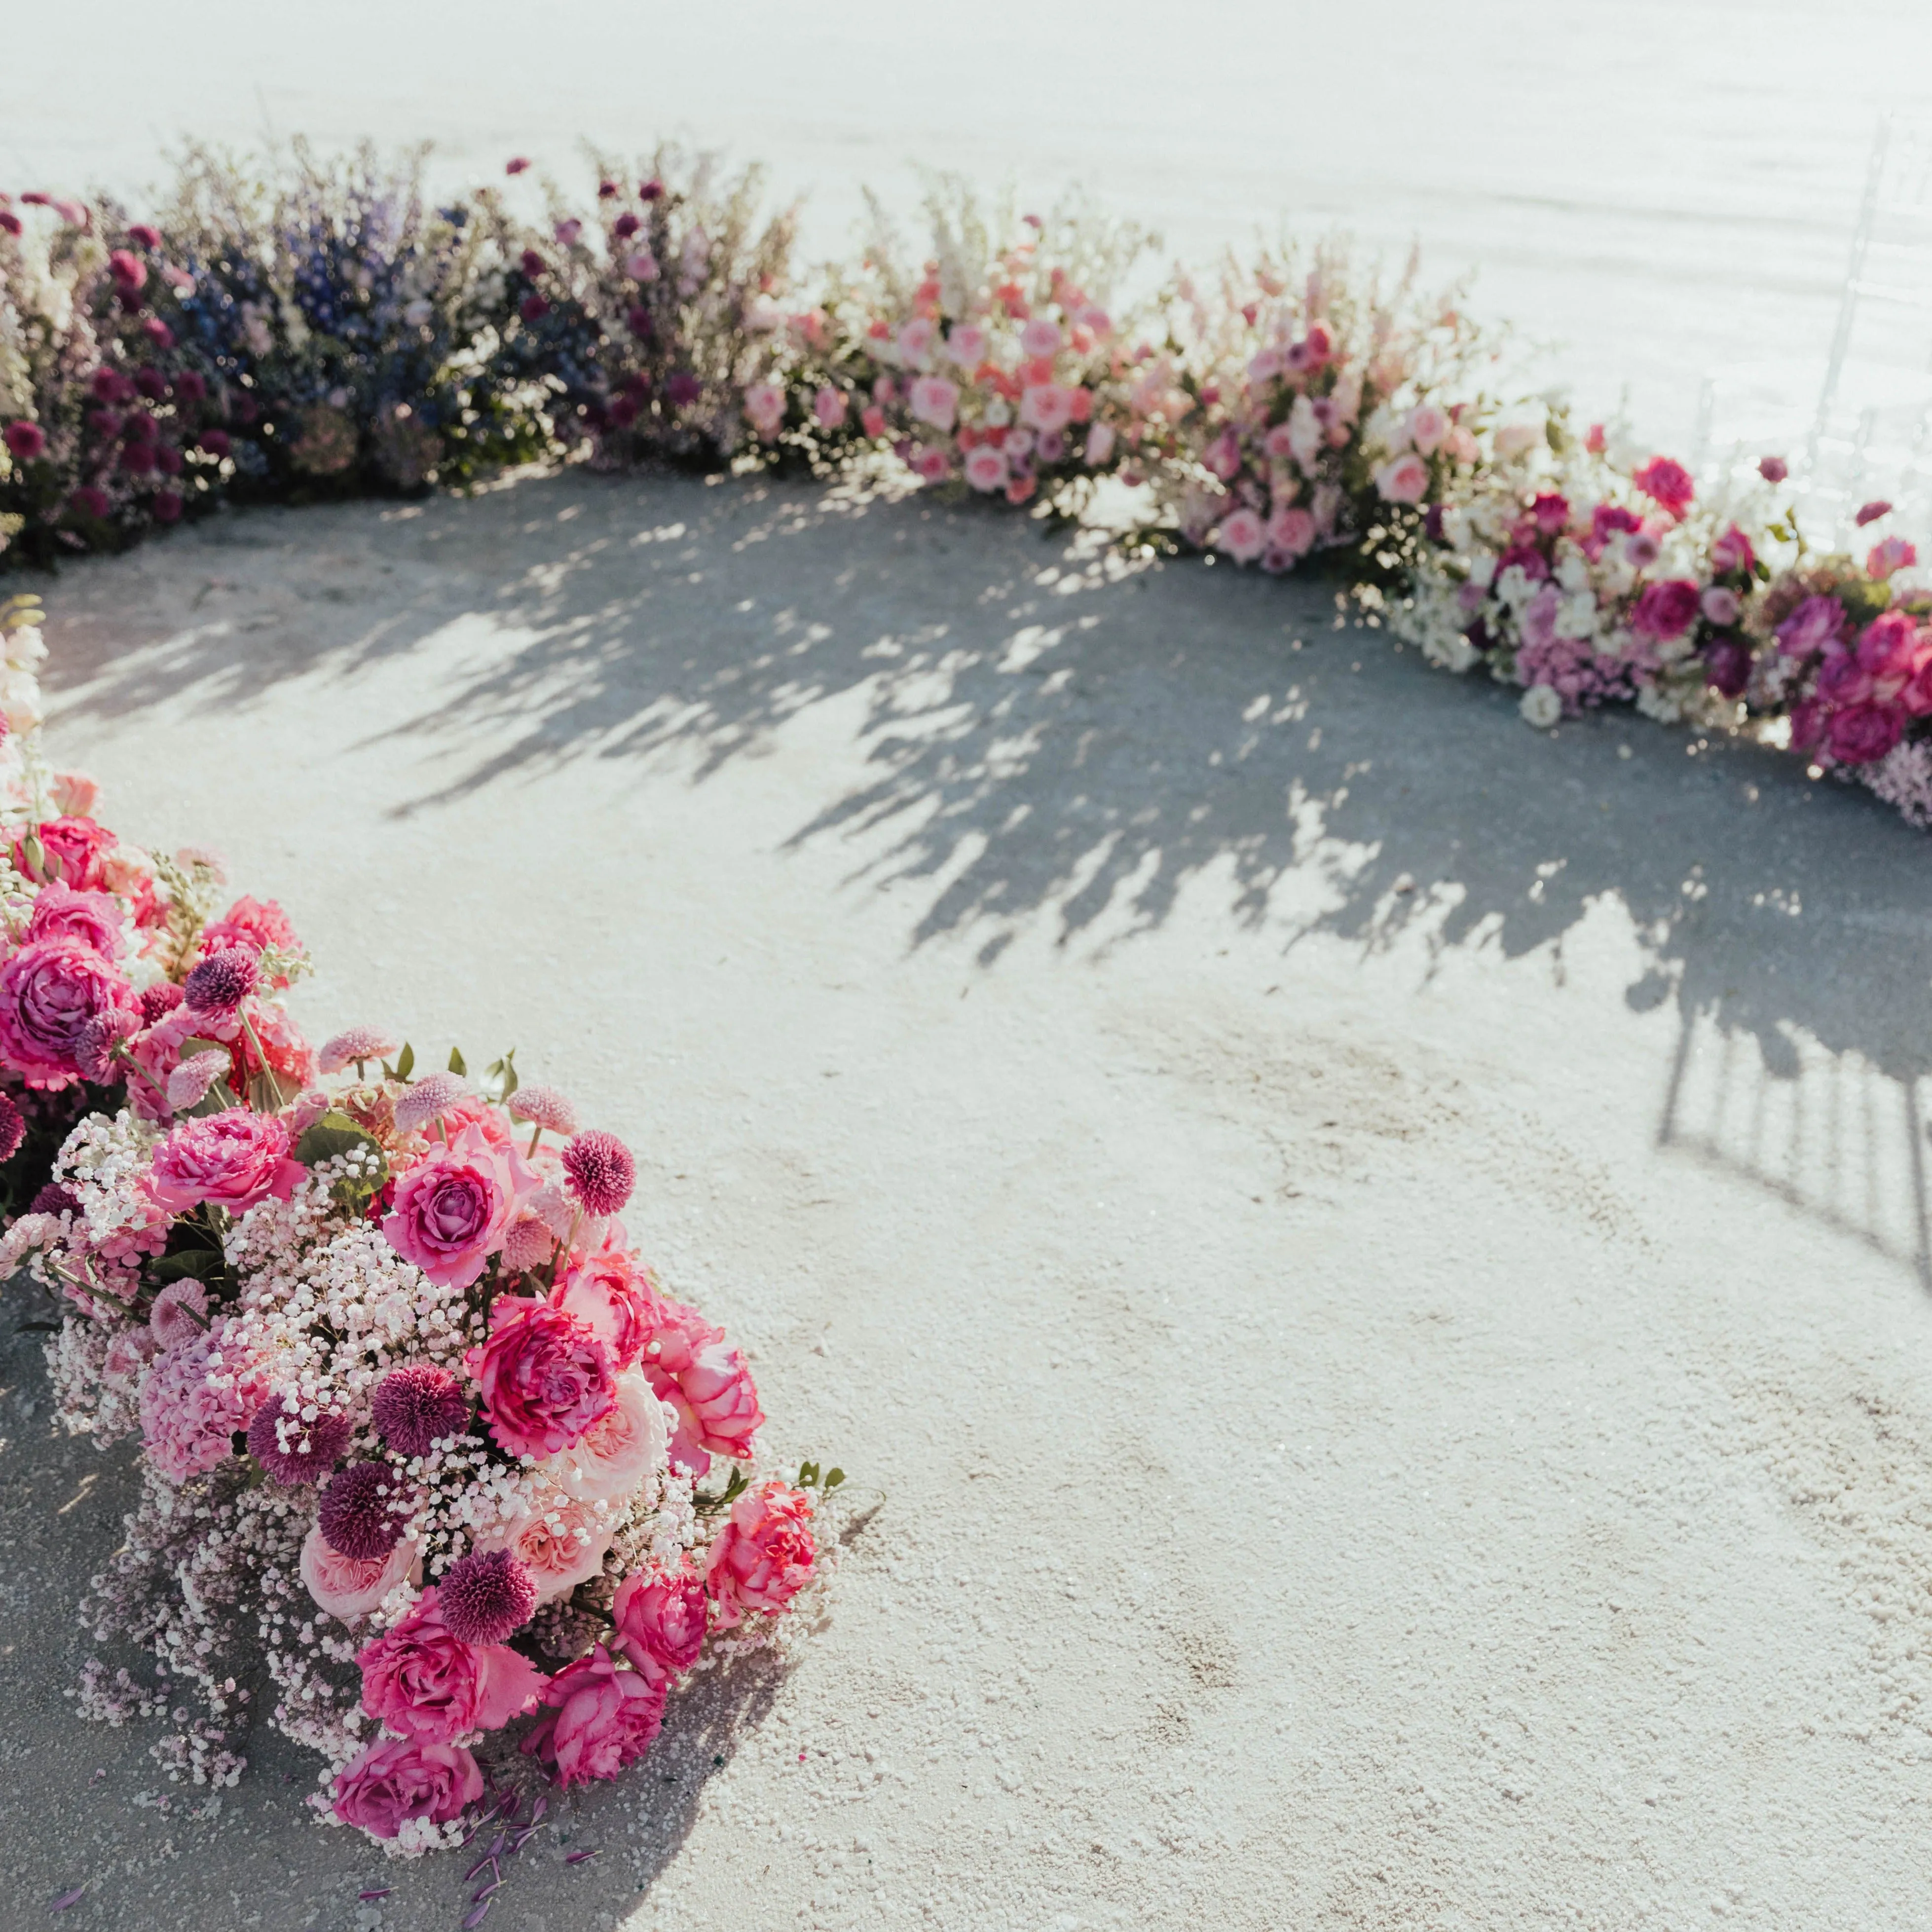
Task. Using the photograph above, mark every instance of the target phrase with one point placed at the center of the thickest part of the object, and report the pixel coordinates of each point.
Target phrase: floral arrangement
(1327, 412)
(423, 1439)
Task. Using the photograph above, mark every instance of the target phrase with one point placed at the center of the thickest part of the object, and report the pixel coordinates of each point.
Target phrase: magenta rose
(1666, 610)
(545, 1378)
(397, 1779)
(72, 850)
(660, 1615)
(50, 991)
(762, 1556)
(1888, 645)
(94, 919)
(453, 1208)
(1817, 621)
(422, 1682)
(233, 1159)
(1666, 483)
(1842, 679)
(603, 1716)
(692, 1367)
(1863, 733)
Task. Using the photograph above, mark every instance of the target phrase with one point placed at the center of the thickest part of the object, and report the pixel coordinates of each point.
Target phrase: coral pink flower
(50, 991)
(660, 1616)
(74, 794)
(692, 1367)
(545, 1378)
(93, 918)
(348, 1586)
(1403, 479)
(1893, 553)
(607, 1294)
(396, 1780)
(232, 1159)
(1046, 407)
(986, 468)
(619, 1451)
(453, 1208)
(762, 1556)
(935, 400)
(603, 1716)
(1242, 536)
(420, 1682)
(1666, 483)
(560, 1542)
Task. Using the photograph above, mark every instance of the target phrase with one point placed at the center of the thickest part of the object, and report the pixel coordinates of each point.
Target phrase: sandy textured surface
(1378, 1259)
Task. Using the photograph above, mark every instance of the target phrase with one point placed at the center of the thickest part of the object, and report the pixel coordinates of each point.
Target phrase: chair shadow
(1031, 731)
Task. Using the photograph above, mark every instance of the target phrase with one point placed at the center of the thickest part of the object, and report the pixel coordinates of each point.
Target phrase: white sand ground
(1651, 188)
(1378, 1259)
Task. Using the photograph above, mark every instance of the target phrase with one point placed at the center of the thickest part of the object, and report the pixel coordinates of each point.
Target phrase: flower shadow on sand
(1022, 730)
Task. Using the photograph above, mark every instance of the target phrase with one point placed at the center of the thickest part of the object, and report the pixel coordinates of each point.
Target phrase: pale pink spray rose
(765, 407)
(603, 1716)
(230, 1160)
(829, 406)
(544, 1377)
(1291, 529)
(1046, 407)
(74, 794)
(1720, 606)
(347, 1586)
(936, 401)
(764, 1556)
(966, 344)
(1427, 425)
(395, 1780)
(1241, 536)
(454, 1207)
(1040, 336)
(620, 1450)
(916, 340)
(986, 468)
(660, 1616)
(1405, 479)
(420, 1682)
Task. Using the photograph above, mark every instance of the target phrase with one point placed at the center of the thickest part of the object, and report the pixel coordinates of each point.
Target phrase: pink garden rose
(545, 1378)
(1046, 407)
(935, 400)
(561, 1542)
(1863, 733)
(829, 406)
(1403, 479)
(1242, 536)
(93, 918)
(692, 1367)
(1817, 623)
(966, 344)
(231, 1160)
(1665, 610)
(1041, 337)
(765, 407)
(602, 1717)
(348, 1586)
(394, 1780)
(620, 1450)
(762, 1556)
(422, 1682)
(1667, 483)
(1733, 551)
(986, 468)
(660, 1616)
(1100, 440)
(454, 1207)
(50, 991)
(1428, 426)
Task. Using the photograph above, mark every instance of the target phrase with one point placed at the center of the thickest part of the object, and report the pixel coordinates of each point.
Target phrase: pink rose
(603, 1717)
(707, 1381)
(1223, 457)
(1666, 609)
(1403, 479)
(1888, 645)
(986, 468)
(829, 406)
(397, 1779)
(1046, 405)
(1842, 679)
(1100, 440)
(619, 1451)
(1242, 536)
(966, 344)
(1427, 426)
(454, 1207)
(93, 918)
(50, 990)
(916, 340)
(232, 1159)
(347, 1586)
(545, 1378)
(561, 1542)
(1041, 337)
(1817, 621)
(1666, 483)
(936, 401)
(873, 420)
(422, 1682)
(765, 407)
(1720, 606)
(613, 1299)
(1291, 530)
(660, 1615)
(1864, 733)
(1733, 551)
(762, 1556)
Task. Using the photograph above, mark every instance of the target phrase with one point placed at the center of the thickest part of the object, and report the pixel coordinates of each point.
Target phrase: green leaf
(456, 1065)
(833, 1478)
(34, 854)
(194, 1044)
(268, 1093)
(500, 1077)
(203, 1264)
(406, 1061)
(335, 1133)
(808, 1475)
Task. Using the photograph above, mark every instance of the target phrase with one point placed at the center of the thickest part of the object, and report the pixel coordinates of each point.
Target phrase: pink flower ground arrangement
(421, 1434)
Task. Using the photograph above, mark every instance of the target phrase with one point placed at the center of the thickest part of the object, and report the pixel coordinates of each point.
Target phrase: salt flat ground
(1377, 1259)
(1649, 190)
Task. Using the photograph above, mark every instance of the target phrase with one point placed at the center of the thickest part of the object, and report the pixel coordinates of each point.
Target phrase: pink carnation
(398, 1780)
(420, 1682)
(50, 990)
(453, 1208)
(762, 1556)
(603, 1717)
(232, 1159)
(608, 1295)
(545, 1378)
(72, 850)
(94, 919)
(660, 1616)
(692, 1367)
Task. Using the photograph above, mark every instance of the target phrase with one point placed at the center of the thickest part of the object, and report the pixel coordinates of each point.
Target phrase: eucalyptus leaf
(456, 1065)
(406, 1061)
